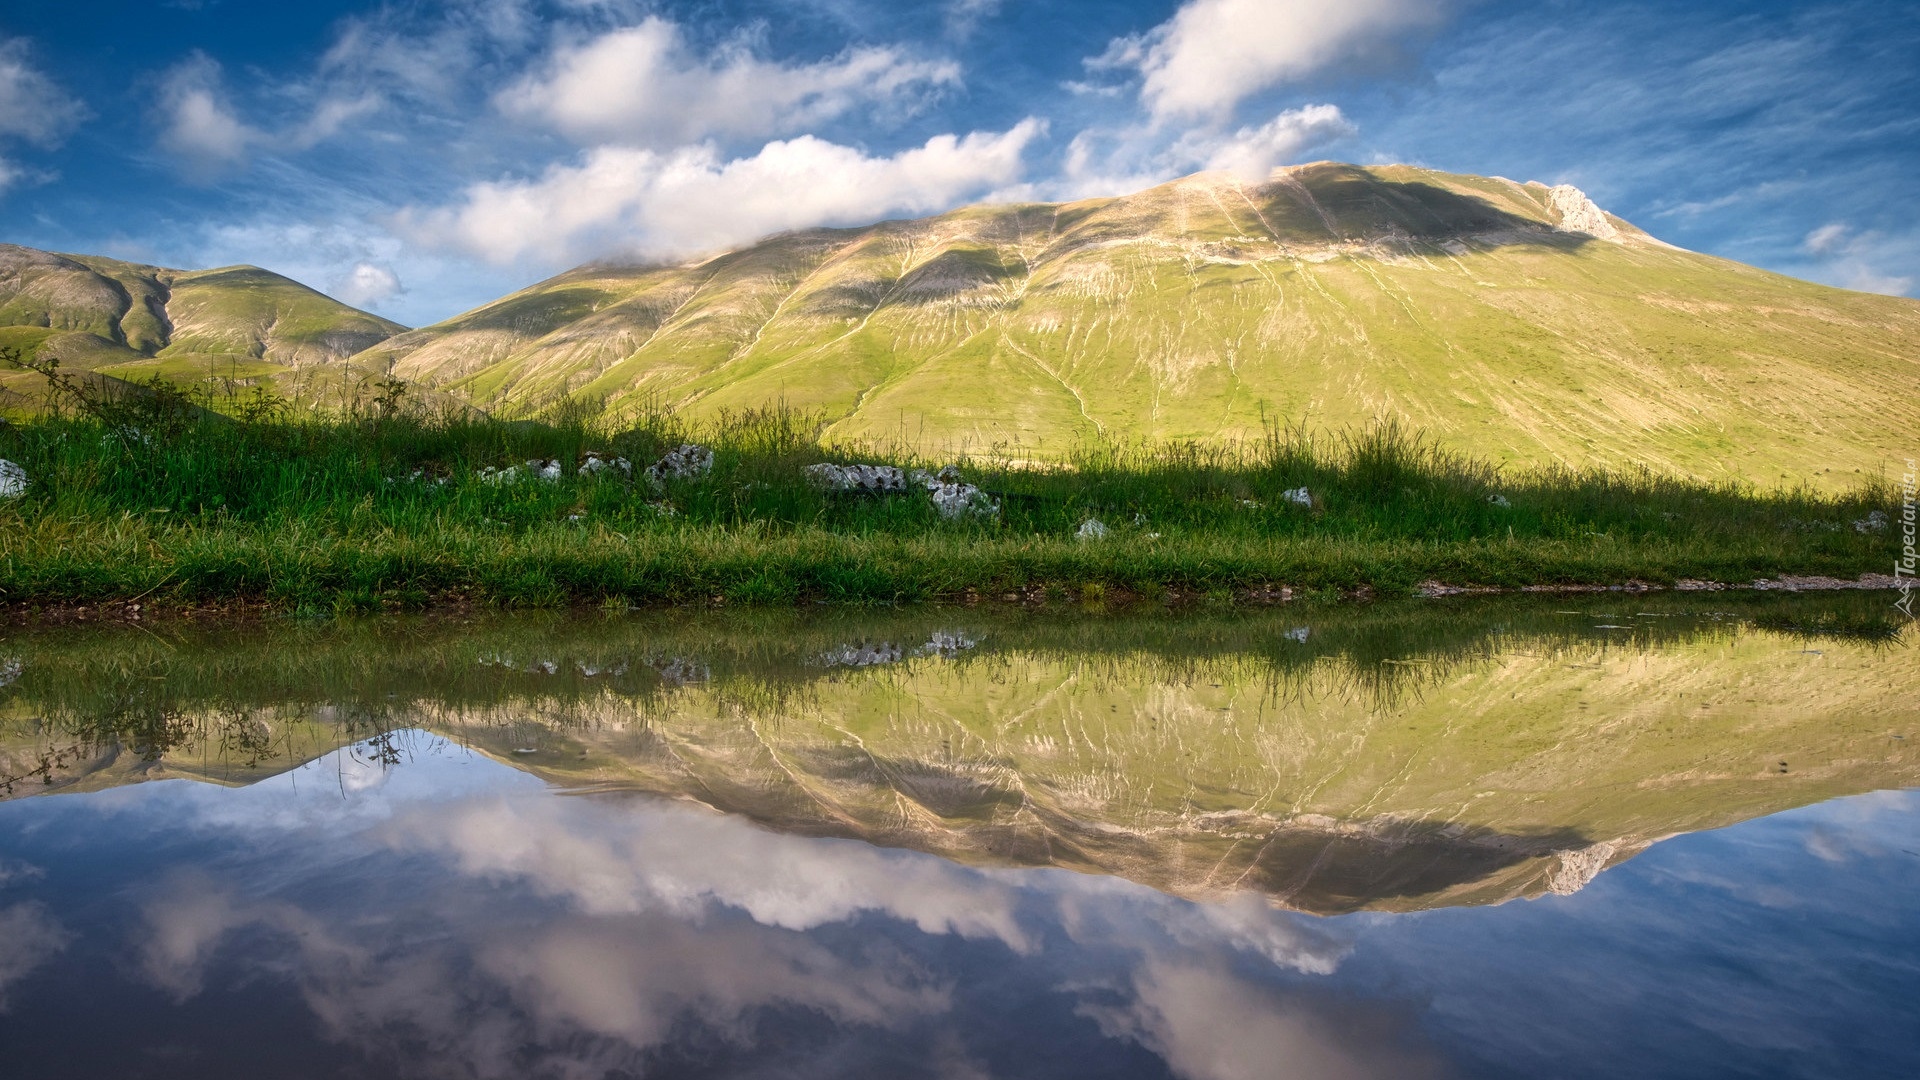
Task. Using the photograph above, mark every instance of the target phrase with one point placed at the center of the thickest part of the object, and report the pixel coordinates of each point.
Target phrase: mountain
(1515, 321)
(130, 321)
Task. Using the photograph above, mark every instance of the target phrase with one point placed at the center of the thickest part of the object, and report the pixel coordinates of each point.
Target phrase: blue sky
(421, 158)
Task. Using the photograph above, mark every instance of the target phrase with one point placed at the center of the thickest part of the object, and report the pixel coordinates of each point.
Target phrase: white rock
(1874, 522)
(1498, 500)
(683, 462)
(1299, 634)
(874, 479)
(595, 465)
(951, 498)
(962, 500)
(537, 469)
(1578, 214)
(1092, 529)
(13, 480)
(1298, 495)
(10, 669)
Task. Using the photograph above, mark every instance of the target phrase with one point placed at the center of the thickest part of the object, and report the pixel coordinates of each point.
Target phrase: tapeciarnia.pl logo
(1903, 567)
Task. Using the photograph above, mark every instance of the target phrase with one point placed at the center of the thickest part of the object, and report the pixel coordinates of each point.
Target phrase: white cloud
(330, 118)
(31, 106)
(1853, 258)
(1122, 161)
(651, 204)
(1829, 239)
(32, 109)
(640, 85)
(1252, 153)
(367, 285)
(1215, 53)
(965, 16)
(200, 127)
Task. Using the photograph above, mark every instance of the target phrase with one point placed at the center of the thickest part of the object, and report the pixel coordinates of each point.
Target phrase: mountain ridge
(126, 320)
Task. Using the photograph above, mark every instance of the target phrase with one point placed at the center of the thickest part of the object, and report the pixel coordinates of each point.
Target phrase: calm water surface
(1639, 837)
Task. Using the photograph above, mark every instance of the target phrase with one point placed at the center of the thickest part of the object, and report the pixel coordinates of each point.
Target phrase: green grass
(377, 511)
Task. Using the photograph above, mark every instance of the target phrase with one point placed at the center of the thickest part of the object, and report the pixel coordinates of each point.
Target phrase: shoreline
(1118, 601)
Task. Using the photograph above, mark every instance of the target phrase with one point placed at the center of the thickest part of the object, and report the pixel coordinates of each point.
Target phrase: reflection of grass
(136, 685)
(384, 509)
(1875, 625)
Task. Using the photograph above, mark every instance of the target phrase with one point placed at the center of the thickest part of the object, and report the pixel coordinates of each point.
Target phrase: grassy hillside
(131, 322)
(1408, 756)
(1203, 309)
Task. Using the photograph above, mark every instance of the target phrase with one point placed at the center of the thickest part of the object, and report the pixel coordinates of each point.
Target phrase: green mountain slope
(1510, 320)
(127, 320)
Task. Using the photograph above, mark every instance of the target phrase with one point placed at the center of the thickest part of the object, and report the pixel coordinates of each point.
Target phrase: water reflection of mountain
(1393, 758)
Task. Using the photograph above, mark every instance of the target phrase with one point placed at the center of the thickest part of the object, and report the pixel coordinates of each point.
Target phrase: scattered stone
(13, 480)
(1872, 523)
(1298, 495)
(10, 669)
(1299, 634)
(127, 435)
(1092, 529)
(1499, 500)
(962, 500)
(869, 479)
(951, 498)
(594, 465)
(683, 462)
(536, 469)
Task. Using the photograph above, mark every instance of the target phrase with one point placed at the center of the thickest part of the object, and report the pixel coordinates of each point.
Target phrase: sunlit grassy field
(154, 496)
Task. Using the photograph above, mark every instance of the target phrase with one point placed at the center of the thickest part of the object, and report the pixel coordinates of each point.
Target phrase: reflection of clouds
(1847, 830)
(1099, 912)
(29, 937)
(1246, 922)
(1208, 1023)
(183, 927)
(586, 936)
(488, 994)
(627, 856)
(633, 976)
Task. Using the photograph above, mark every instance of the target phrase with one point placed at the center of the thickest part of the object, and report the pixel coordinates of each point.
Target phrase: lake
(1602, 835)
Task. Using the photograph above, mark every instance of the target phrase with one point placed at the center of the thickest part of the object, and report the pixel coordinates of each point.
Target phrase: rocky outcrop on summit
(1579, 214)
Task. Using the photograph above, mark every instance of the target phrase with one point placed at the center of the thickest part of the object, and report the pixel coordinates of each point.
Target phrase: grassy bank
(162, 500)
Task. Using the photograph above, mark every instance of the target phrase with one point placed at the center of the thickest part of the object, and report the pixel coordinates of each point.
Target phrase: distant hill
(127, 320)
(1512, 320)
